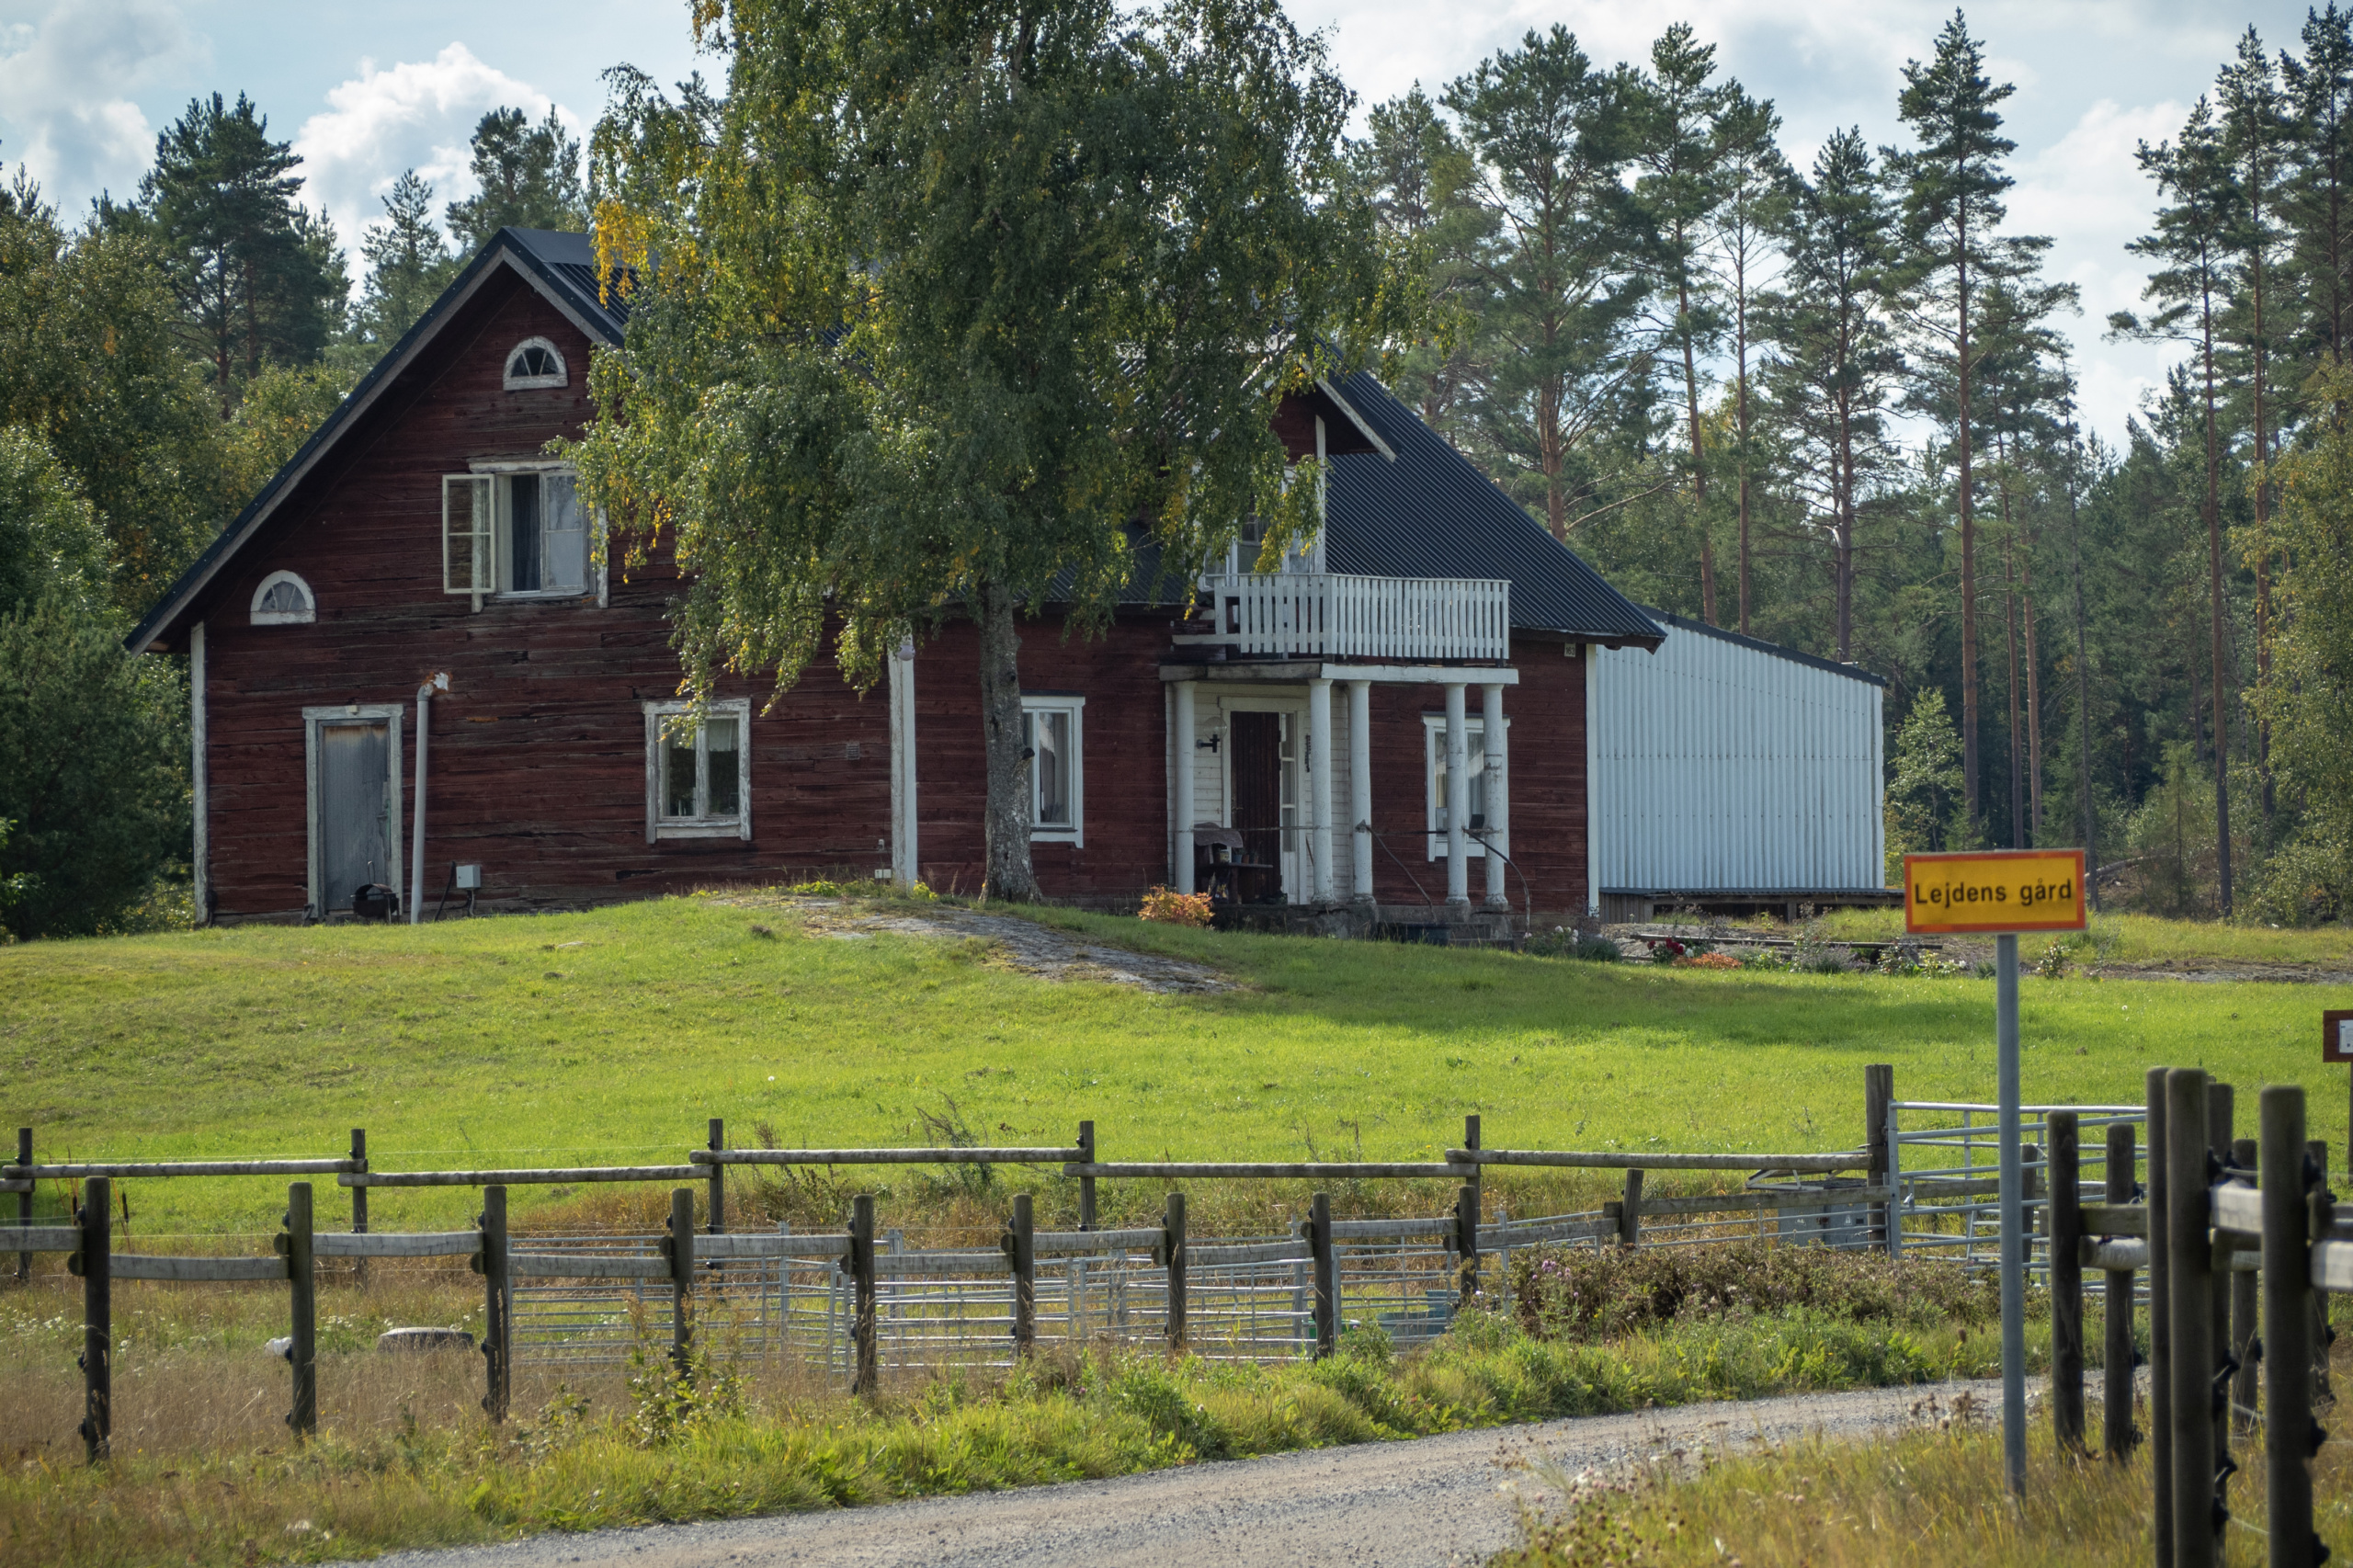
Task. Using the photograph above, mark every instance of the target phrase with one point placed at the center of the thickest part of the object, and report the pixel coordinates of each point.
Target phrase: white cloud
(62, 81)
(418, 114)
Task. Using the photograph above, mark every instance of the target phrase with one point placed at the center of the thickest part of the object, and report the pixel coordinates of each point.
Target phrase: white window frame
(1074, 705)
(514, 382)
(303, 617)
(492, 538)
(659, 827)
(1475, 735)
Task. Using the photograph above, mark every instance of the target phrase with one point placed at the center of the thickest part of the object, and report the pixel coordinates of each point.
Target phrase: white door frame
(1293, 783)
(313, 721)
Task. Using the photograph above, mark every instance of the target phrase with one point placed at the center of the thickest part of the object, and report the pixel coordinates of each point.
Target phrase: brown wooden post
(1319, 1252)
(2190, 1256)
(1086, 1183)
(1022, 1248)
(1172, 1227)
(1466, 1239)
(302, 1273)
(2247, 1383)
(2323, 1336)
(497, 1333)
(2289, 1435)
(1879, 1093)
(2161, 1425)
(718, 1181)
(98, 1318)
(2221, 1134)
(1630, 1213)
(867, 1381)
(1478, 1172)
(359, 1203)
(25, 1198)
(682, 1277)
(2118, 1435)
(2066, 1282)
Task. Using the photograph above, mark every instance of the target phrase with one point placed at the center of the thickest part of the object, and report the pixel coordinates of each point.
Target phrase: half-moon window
(534, 362)
(284, 599)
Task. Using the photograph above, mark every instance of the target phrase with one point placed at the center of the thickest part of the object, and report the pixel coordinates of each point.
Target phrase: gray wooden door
(355, 810)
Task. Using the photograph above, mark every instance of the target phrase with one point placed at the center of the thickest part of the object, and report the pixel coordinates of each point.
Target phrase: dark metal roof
(1852, 672)
(562, 264)
(1433, 514)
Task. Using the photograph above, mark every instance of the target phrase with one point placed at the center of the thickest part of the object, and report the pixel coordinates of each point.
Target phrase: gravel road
(1430, 1502)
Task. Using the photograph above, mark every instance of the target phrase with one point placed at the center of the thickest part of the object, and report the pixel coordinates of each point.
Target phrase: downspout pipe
(440, 682)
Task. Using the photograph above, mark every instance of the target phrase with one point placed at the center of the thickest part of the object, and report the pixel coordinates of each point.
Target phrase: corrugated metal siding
(1724, 765)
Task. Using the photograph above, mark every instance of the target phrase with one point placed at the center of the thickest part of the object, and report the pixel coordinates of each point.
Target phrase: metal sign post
(1999, 894)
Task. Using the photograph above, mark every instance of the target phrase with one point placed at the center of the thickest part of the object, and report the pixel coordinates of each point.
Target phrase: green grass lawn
(610, 1037)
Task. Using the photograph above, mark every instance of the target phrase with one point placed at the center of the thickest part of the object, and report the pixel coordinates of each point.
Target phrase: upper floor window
(1050, 731)
(535, 362)
(284, 599)
(513, 535)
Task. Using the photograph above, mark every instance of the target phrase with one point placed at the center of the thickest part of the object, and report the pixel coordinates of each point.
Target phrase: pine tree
(1754, 194)
(1415, 169)
(1551, 136)
(1952, 183)
(530, 176)
(2318, 196)
(2192, 248)
(408, 264)
(259, 278)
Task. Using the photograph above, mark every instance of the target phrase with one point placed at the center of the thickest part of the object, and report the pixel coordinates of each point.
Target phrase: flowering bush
(1707, 960)
(1177, 908)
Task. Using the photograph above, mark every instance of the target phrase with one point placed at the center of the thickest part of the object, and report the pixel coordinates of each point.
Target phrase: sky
(367, 90)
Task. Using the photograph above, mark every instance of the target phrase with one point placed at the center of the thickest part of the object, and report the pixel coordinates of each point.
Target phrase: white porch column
(1319, 786)
(905, 861)
(1180, 755)
(1458, 764)
(1360, 789)
(1498, 813)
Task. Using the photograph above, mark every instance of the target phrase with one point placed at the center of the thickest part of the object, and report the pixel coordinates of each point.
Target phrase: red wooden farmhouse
(405, 661)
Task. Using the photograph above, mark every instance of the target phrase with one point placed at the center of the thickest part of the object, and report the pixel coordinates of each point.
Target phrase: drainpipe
(440, 682)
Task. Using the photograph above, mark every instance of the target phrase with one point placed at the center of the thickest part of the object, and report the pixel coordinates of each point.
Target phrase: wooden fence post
(497, 1333)
(1173, 1247)
(2066, 1282)
(1466, 1240)
(2190, 1256)
(2221, 1134)
(1879, 1093)
(1319, 1252)
(682, 1276)
(359, 1202)
(868, 1378)
(1086, 1183)
(1022, 1248)
(301, 1274)
(25, 1199)
(2161, 1426)
(1478, 1172)
(2246, 1382)
(2289, 1435)
(718, 1179)
(98, 1318)
(2118, 1436)
(1630, 1213)
(2323, 1336)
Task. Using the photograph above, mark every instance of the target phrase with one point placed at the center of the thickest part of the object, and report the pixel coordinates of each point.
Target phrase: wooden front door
(1257, 764)
(355, 810)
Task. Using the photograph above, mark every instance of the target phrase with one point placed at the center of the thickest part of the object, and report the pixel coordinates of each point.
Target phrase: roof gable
(559, 267)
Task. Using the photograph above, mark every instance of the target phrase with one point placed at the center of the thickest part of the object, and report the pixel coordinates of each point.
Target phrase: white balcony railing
(1325, 615)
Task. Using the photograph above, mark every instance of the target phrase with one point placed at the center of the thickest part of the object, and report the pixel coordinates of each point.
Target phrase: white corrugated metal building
(1728, 772)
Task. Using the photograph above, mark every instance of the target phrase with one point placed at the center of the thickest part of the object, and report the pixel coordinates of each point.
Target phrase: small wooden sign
(2336, 1035)
(1994, 890)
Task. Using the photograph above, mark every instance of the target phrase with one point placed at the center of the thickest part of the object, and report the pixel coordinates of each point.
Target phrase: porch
(1272, 764)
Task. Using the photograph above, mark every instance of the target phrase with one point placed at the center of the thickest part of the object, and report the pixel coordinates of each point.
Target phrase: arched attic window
(535, 362)
(284, 599)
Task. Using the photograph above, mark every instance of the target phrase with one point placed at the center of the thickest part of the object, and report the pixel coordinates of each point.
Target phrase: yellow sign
(2001, 890)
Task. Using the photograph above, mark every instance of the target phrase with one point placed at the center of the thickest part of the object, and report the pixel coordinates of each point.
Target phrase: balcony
(1323, 615)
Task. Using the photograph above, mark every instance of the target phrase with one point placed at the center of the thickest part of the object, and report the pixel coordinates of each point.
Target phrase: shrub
(1707, 960)
(2052, 964)
(1176, 908)
(1573, 1294)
